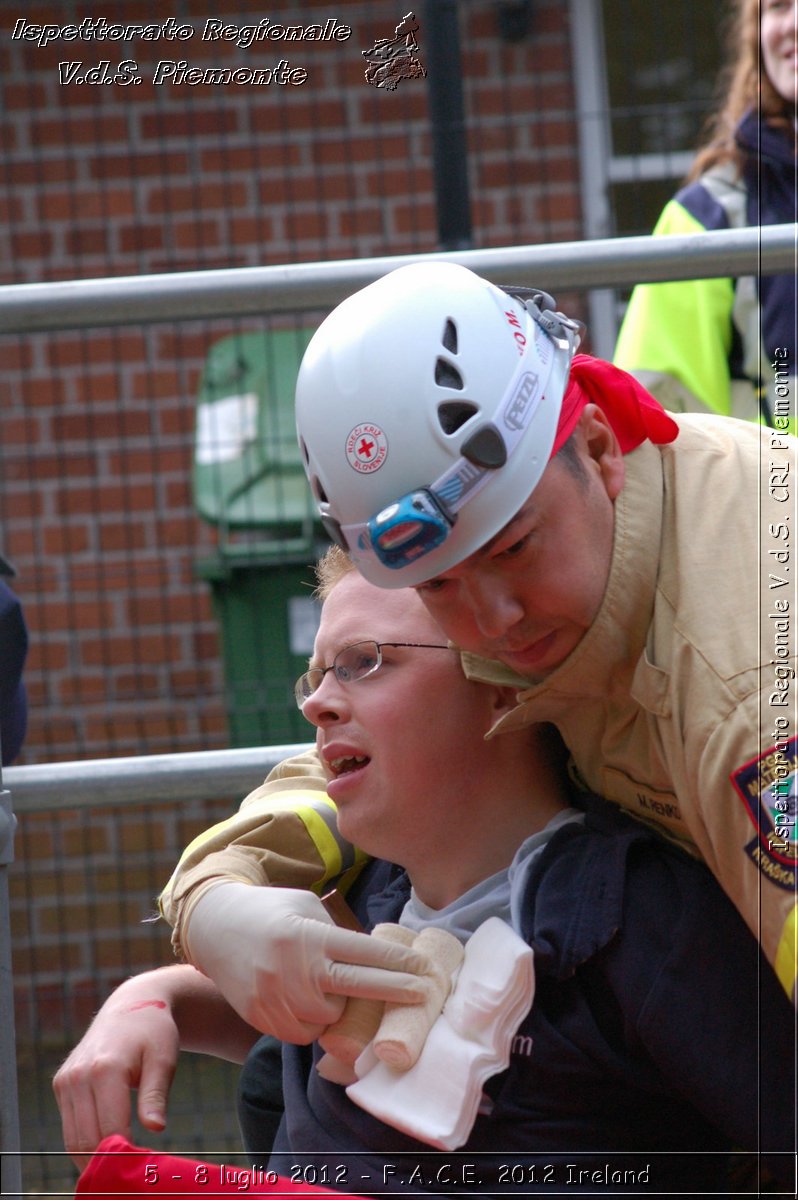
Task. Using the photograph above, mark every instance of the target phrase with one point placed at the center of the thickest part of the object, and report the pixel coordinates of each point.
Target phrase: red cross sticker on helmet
(366, 448)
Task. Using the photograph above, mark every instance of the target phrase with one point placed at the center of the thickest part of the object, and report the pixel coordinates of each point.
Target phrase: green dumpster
(249, 483)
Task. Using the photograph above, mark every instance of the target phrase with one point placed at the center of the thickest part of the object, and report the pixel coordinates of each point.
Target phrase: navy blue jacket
(658, 1040)
(13, 698)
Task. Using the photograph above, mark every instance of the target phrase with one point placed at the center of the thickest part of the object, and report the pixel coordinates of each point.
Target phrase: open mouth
(347, 764)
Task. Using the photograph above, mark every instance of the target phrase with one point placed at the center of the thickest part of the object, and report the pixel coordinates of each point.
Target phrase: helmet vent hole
(447, 375)
(318, 490)
(453, 414)
(449, 338)
(304, 451)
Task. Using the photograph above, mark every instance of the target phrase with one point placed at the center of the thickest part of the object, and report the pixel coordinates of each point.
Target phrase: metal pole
(150, 778)
(9, 1097)
(447, 122)
(260, 291)
(595, 152)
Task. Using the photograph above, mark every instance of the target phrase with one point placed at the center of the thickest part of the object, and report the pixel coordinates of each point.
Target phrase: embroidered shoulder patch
(768, 786)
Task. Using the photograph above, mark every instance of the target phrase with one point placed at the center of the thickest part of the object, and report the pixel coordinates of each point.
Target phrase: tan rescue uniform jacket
(678, 704)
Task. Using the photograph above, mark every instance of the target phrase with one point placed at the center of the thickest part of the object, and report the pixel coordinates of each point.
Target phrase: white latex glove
(278, 959)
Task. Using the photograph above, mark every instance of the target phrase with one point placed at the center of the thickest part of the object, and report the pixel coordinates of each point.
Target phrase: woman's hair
(330, 569)
(745, 85)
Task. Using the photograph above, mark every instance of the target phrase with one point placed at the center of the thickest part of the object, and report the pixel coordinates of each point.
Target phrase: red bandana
(632, 412)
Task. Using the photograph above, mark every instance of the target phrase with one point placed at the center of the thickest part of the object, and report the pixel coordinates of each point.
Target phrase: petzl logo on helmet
(515, 414)
(366, 448)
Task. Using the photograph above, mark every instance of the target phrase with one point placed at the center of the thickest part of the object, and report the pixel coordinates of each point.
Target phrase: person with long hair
(729, 345)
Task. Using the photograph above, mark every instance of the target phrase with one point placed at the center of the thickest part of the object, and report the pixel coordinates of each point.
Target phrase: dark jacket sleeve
(13, 698)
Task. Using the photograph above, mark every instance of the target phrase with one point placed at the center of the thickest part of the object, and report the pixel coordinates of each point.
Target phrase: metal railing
(154, 778)
(259, 291)
(162, 782)
(256, 291)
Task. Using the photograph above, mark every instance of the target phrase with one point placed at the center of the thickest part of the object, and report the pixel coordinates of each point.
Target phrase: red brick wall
(96, 428)
(83, 898)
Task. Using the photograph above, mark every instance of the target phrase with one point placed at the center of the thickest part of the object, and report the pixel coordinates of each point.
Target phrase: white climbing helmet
(427, 405)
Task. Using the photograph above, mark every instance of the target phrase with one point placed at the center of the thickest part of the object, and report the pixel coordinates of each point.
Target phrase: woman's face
(779, 41)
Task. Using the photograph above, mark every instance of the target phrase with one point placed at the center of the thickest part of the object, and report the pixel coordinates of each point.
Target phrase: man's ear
(602, 447)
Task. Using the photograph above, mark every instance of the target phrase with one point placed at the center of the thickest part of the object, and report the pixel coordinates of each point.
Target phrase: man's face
(397, 743)
(528, 597)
